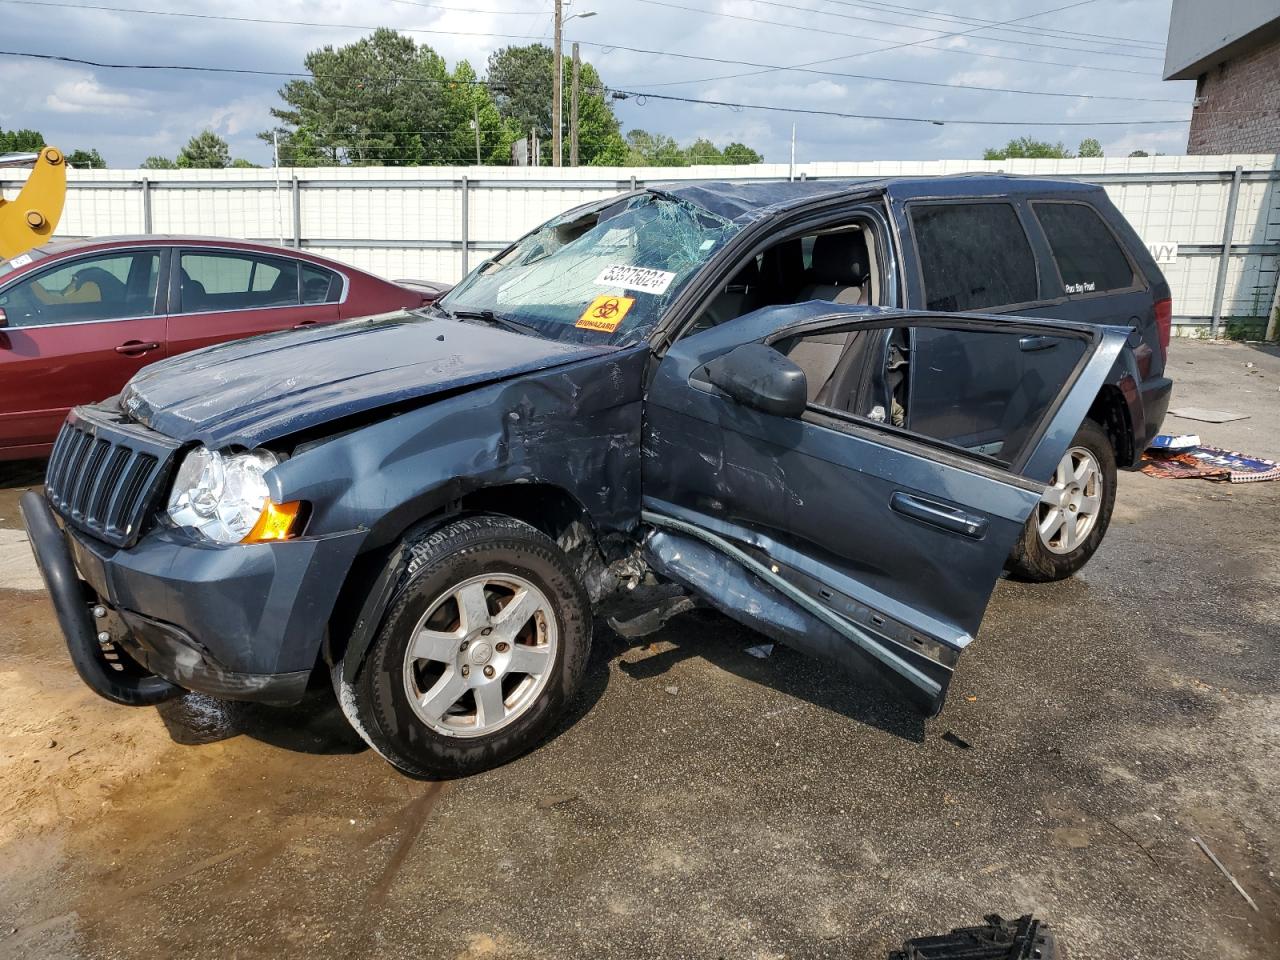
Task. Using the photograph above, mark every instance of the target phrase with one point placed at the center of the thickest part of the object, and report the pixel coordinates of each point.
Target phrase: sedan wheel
(1070, 507)
(481, 655)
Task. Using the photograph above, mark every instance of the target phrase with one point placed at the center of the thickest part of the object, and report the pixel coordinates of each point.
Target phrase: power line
(905, 26)
(911, 43)
(500, 13)
(758, 68)
(642, 96)
(940, 122)
(944, 17)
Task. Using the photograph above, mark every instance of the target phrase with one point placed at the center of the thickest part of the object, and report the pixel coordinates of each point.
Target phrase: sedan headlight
(222, 497)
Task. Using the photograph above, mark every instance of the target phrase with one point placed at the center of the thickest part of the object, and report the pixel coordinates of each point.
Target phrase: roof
(743, 202)
(1203, 34)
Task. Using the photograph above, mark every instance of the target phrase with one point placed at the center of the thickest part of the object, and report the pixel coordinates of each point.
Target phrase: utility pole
(573, 109)
(557, 91)
(475, 110)
(275, 162)
(791, 175)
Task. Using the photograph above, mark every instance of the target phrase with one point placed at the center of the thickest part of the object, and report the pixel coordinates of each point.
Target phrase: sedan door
(74, 333)
(223, 294)
(842, 528)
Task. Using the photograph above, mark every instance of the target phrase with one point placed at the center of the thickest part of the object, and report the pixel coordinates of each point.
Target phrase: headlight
(221, 496)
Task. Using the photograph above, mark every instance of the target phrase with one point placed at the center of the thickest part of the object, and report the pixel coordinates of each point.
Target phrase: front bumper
(240, 621)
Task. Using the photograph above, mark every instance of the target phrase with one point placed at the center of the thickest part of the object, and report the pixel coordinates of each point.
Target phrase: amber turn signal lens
(275, 522)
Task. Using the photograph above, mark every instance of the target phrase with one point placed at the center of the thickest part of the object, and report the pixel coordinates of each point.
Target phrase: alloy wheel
(481, 655)
(1069, 508)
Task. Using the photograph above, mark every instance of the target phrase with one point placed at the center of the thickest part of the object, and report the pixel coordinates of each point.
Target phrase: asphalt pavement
(703, 803)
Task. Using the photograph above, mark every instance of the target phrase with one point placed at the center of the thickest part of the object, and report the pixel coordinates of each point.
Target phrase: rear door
(219, 295)
(75, 332)
(856, 531)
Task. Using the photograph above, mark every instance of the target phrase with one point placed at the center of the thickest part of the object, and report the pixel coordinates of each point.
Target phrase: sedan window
(107, 287)
(212, 282)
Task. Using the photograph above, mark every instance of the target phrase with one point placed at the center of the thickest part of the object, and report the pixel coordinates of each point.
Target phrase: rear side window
(236, 281)
(973, 256)
(1089, 258)
(320, 285)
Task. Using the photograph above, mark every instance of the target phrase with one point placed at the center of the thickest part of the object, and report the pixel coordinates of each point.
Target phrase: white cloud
(86, 94)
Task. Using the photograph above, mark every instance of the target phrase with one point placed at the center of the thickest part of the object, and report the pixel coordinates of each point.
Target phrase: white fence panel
(436, 222)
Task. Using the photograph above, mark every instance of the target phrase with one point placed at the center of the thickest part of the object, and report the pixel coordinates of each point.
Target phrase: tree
(741, 153)
(86, 158)
(1026, 148)
(20, 141)
(158, 163)
(1089, 147)
(1139, 153)
(205, 151)
(242, 163)
(382, 99)
(519, 81)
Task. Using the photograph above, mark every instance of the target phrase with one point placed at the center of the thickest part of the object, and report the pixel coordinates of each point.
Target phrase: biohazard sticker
(604, 313)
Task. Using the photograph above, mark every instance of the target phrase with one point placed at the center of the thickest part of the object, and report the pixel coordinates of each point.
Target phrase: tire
(500, 631)
(1038, 558)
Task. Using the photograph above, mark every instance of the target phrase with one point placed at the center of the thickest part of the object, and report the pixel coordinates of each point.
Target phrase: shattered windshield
(600, 275)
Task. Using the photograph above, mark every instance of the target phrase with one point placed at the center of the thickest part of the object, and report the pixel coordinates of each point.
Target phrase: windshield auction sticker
(603, 314)
(644, 279)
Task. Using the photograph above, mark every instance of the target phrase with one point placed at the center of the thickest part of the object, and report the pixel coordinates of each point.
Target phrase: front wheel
(1068, 524)
(482, 648)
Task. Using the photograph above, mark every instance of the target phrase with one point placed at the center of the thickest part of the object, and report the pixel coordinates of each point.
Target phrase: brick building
(1231, 48)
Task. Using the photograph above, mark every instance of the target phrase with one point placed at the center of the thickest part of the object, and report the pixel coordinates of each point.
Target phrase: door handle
(136, 348)
(939, 515)
(305, 323)
(1030, 344)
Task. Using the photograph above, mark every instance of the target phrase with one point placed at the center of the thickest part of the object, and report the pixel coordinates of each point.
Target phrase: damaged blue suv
(835, 411)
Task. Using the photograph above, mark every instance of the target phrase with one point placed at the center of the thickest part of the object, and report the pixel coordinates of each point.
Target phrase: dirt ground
(700, 802)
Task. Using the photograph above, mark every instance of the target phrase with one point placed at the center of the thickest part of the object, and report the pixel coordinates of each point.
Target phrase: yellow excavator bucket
(29, 219)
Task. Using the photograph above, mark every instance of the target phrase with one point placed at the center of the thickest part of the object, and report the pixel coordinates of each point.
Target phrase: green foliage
(158, 163)
(242, 163)
(1026, 148)
(1139, 153)
(386, 99)
(1089, 147)
(205, 151)
(644, 149)
(86, 159)
(20, 141)
(520, 82)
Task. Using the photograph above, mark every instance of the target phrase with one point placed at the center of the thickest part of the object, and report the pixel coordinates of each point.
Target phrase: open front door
(867, 519)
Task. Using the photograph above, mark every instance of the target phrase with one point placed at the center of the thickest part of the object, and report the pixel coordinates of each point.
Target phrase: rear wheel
(482, 648)
(1068, 524)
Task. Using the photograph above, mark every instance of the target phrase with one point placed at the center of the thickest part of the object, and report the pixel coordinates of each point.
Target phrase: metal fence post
(466, 229)
(296, 197)
(146, 205)
(1224, 260)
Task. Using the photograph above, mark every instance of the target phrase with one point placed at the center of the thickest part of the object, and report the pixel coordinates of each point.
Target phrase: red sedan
(79, 318)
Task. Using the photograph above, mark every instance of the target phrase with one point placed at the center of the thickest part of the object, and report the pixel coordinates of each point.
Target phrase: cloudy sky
(1104, 48)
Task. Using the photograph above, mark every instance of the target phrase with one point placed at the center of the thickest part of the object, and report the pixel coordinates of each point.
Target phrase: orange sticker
(604, 313)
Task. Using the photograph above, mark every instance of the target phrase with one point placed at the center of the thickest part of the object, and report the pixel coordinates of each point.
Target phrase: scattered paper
(1208, 416)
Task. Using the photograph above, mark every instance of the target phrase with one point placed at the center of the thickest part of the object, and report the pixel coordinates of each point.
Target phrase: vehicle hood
(248, 392)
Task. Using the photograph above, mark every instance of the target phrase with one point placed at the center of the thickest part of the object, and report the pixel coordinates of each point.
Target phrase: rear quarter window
(973, 256)
(1088, 256)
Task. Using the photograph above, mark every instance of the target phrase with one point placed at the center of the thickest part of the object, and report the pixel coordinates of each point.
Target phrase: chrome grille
(105, 474)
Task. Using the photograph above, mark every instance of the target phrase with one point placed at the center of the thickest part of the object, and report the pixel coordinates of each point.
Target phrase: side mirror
(762, 378)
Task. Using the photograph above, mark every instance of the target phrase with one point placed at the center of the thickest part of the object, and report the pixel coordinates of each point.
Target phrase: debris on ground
(999, 939)
(1226, 873)
(1208, 416)
(556, 799)
(673, 689)
(1205, 463)
(957, 741)
(761, 651)
(1183, 441)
